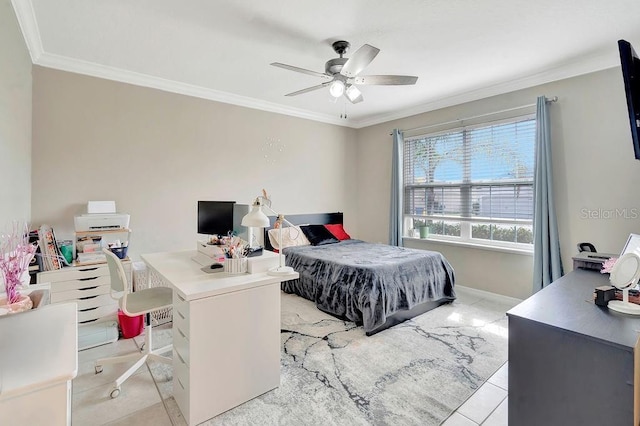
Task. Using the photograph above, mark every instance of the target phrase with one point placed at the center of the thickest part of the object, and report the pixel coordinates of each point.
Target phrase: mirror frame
(617, 278)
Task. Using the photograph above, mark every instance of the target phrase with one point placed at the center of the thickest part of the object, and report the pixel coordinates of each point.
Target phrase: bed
(374, 285)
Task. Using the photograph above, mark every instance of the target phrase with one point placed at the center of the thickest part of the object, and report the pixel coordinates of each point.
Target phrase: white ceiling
(461, 50)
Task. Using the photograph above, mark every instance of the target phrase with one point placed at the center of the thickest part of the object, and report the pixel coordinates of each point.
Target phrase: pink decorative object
(15, 255)
(608, 265)
(24, 303)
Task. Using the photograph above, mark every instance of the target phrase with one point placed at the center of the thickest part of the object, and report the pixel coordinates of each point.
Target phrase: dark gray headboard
(304, 219)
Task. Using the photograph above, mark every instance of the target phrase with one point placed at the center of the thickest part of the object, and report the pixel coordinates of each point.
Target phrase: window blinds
(475, 173)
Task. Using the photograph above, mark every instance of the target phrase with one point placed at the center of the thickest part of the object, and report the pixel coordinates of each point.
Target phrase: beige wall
(15, 120)
(157, 153)
(593, 168)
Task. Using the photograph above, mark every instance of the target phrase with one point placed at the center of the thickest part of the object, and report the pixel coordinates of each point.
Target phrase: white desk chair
(133, 304)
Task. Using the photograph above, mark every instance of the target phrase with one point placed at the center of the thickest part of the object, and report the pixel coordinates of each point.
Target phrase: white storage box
(215, 252)
(263, 263)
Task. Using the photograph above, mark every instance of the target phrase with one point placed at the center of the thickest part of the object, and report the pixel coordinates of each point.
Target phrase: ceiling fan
(341, 74)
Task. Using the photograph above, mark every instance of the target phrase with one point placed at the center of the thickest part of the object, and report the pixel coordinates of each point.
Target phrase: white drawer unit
(226, 334)
(90, 287)
(203, 336)
(181, 331)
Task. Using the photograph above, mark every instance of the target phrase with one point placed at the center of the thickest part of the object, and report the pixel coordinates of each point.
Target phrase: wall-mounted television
(215, 217)
(631, 75)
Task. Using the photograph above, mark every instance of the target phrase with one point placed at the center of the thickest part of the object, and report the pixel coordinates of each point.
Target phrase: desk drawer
(74, 273)
(89, 291)
(80, 273)
(180, 304)
(181, 385)
(181, 345)
(95, 301)
(181, 321)
(93, 314)
(181, 315)
(80, 283)
(180, 369)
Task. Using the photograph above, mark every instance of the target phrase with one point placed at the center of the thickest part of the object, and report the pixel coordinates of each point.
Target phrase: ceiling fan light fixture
(340, 74)
(336, 89)
(352, 92)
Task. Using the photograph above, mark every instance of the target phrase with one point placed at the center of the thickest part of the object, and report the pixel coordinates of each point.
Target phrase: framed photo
(632, 245)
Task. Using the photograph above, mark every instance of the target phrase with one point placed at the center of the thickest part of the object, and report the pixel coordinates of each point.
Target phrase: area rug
(415, 373)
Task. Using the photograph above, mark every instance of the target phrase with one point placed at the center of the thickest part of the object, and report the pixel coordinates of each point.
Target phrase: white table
(38, 360)
(226, 334)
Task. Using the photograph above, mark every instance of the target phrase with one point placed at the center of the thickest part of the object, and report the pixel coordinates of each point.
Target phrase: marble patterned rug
(415, 373)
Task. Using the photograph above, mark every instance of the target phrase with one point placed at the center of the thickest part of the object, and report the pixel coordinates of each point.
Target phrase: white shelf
(106, 236)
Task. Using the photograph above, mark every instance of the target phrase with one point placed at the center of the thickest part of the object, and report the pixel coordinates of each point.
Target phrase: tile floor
(487, 406)
(145, 401)
(142, 401)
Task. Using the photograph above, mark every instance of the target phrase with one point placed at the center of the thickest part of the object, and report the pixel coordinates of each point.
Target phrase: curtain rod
(553, 99)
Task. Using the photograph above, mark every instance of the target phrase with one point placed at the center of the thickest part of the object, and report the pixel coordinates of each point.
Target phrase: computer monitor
(240, 211)
(215, 217)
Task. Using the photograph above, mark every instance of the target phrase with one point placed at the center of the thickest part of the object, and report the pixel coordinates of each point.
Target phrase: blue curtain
(547, 264)
(395, 216)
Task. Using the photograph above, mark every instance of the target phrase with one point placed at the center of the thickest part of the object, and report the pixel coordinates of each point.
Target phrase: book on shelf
(36, 264)
(50, 253)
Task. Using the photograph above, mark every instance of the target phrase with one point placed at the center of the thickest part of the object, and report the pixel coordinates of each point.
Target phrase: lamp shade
(256, 218)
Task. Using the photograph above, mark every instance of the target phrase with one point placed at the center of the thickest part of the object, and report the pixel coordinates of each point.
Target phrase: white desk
(226, 334)
(38, 360)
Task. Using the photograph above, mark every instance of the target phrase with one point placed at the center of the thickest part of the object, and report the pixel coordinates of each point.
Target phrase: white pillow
(291, 236)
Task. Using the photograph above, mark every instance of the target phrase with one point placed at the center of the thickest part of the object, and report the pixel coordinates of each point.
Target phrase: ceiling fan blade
(359, 60)
(386, 79)
(302, 70)
(309, 89)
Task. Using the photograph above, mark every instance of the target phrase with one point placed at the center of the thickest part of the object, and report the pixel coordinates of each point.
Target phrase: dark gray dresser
(572, 362)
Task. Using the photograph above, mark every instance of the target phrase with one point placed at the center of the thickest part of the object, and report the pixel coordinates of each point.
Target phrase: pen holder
(235, 266)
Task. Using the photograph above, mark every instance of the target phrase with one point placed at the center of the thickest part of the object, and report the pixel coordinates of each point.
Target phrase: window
(473, 184)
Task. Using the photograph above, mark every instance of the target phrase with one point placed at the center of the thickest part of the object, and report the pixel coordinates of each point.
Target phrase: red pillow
(338, 231)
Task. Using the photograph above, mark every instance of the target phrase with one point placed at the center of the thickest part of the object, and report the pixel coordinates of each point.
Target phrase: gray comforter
(366, 283)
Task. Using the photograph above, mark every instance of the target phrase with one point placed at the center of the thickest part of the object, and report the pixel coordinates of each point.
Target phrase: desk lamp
(257, 219)
(625, 274)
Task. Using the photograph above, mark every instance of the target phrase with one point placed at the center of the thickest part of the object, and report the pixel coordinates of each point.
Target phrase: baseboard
(488, 295)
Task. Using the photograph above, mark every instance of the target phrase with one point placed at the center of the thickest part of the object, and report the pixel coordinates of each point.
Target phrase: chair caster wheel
(142, 348)
(115, 392)
(98, 369)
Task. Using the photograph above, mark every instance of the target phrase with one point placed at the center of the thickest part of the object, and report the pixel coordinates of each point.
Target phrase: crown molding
(78, 66)
(587, 65)
(29, 27)
(63, 63)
